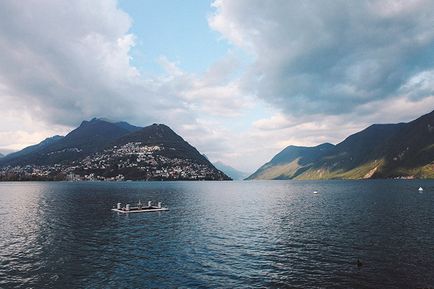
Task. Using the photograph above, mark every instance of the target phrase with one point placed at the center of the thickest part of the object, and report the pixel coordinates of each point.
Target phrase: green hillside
(403, 150)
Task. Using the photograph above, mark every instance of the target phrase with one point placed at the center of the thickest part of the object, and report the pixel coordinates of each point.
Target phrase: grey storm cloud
(329, 57)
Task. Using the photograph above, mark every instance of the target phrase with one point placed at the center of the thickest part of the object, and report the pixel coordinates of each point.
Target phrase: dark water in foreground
(218, 234)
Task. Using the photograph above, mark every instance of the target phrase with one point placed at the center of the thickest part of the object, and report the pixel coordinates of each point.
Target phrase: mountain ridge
(101, 149)
(230, 171)
(89, 137)
(401, 150)
(33, 148)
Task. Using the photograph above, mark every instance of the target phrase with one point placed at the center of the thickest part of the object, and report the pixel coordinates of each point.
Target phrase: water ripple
(218, 235)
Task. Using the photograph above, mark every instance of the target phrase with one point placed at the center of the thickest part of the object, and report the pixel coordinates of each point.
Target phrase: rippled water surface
(218, 234)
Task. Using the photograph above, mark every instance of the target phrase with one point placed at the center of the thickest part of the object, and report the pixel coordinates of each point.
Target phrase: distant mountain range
(103, 150)
(34, 148)
(1, 155)
(230, 171)
(403, 150)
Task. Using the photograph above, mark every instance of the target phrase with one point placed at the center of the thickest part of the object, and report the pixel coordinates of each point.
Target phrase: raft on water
(139, 208)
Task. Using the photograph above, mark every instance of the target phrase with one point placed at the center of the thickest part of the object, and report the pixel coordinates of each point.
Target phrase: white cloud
(327, 68)
(62, 62)
(65, 61)
(329, 57)
(19, 130)
(419, 86)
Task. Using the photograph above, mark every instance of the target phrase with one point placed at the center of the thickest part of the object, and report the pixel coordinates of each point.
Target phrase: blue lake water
(274, 234)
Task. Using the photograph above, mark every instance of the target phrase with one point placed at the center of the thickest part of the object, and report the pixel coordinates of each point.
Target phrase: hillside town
(131, 161)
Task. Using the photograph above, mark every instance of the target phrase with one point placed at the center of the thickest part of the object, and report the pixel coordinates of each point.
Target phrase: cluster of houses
(33, 172)
(137, 161)
(132, 161)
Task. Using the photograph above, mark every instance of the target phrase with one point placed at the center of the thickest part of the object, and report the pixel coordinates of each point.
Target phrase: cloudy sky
(238, 79)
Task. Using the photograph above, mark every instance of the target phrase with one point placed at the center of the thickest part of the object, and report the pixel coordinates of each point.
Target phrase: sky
(238, 79)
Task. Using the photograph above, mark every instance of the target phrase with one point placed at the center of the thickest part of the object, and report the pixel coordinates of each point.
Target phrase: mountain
(89, 137)
(291, 162)
(158, 146)
(379, 151)
(121, 124)
(230, 171)
(160, 134)
(33, 148)
(100, 149)
(1, 155)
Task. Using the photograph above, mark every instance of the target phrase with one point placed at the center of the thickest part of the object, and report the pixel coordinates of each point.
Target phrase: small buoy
(315, 192)
(420, 189)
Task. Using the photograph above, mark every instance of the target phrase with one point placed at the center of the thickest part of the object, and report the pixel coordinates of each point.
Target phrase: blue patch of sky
(179, 31)
(176, 29)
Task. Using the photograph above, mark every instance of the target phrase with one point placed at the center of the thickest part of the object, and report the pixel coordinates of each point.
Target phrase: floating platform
(139, 208)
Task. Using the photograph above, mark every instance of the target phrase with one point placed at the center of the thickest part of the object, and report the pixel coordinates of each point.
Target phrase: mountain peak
(100, 149)
(101, 121)
(378, 151)
(96, 120)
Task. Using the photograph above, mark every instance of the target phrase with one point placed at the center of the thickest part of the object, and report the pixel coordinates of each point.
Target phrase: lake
(255, 234)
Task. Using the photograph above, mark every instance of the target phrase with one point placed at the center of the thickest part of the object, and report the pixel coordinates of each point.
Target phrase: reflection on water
(218, 234)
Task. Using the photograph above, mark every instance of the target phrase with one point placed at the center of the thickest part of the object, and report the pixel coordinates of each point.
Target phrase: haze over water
(218, 234)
